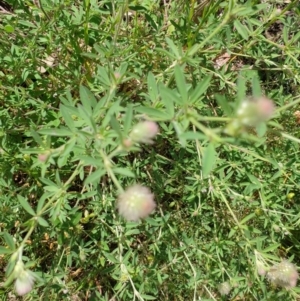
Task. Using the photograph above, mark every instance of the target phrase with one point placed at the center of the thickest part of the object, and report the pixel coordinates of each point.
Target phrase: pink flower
(254, 111)
(265, 108)
(24, 283)
(43, 157)
(283, 274)
(144, 132)
(136, 202)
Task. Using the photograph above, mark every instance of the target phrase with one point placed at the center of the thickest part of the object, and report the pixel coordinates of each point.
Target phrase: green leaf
(76, 218)
(148, 297)
(61, 132)
(189, 135)
(232, 232)
(242, 29)
(271, 248)
(223, 103)
(4, 250)
(9, 29)
(113, 110)
(110, 257)
(209, 158)
(181, 84)
(87, 98)
(152, 87)
(64, 155)
(9, 241)
(154, 114)
(168, 95)
(95, 176)
(256, 89)
(9, 272)
(261, 129)
(42, 222)
(41, 203)
(27, 23)
(48, 182)
(285, 35)
(38, 139)
(127, 119)
(116, 126)
(66, 114)
(25, 205)
(167, 99)
(132, 232)
(151, 21)
(173, 47)
(247, 218)
(103, 75)
(87, 117)
(88, 160)
(241, 88)
(295, 38)
(179, 131)
(200, 89)
(124, 172)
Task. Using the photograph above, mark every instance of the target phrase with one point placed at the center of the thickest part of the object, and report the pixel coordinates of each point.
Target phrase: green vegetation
(77, 81)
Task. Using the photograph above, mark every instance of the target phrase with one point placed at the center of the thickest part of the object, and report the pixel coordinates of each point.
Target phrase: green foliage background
(76, 76)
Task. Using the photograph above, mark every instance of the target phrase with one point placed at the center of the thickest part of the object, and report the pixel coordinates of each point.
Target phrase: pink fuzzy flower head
(254, 111)
(136, 202)
(283, 274)
(24, 283)
(43, 157)
(265, 108)
(144, 132)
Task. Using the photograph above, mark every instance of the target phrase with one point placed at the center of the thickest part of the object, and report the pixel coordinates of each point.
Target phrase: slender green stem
(86, 23)
(217, 29)
(290, 137)
(208, 132)
(107, 165)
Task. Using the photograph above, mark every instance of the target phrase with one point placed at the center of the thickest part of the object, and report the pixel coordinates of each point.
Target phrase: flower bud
(43, 157)
(224, 288)
(144, 132)
(261, 269)
(127, 143)
(283, 274)
(135, 202)
(82, 254)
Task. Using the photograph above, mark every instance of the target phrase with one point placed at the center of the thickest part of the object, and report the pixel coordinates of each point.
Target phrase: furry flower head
(283, 274)
(136, 202)
(254, 111)
(24, 283)
(144, 132)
